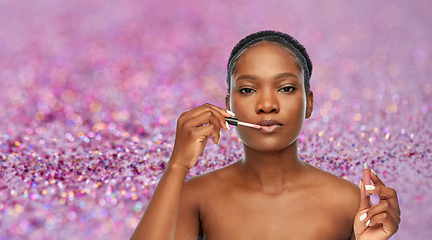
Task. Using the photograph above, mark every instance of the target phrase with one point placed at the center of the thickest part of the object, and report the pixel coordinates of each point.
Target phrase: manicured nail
(232, 114)
(220, 136)
(363, 217)
(368, 222)
(369, 187)
(227, 125)
(374, 172)
(360, 184)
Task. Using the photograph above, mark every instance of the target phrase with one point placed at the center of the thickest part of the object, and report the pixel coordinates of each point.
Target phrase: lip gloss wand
(235, 122)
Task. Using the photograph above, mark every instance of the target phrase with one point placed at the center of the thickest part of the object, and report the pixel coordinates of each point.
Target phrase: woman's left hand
(381, 221)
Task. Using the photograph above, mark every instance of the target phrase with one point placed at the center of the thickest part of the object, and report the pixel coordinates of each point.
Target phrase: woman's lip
(269, 122)
(270, 129)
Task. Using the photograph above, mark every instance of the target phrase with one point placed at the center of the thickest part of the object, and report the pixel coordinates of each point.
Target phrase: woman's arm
(194, 128)
(162, 210)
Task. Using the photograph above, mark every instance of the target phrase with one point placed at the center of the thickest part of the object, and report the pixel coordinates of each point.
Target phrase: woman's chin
(269, 146)
(268, 143)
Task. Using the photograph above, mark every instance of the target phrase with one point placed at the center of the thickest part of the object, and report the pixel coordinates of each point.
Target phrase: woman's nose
(267, 103)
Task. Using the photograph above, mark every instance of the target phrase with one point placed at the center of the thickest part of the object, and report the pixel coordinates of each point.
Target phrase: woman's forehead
(269, 45)
(266, 55)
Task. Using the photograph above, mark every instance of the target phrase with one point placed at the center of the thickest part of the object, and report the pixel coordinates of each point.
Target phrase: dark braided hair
(299, 52)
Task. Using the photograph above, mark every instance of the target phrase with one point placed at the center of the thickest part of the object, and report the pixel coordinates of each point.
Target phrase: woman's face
(267, 88)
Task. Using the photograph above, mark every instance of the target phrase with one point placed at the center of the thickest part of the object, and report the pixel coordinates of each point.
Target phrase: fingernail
(220, 136)
(369, 187)
(363, 217)
(368, 222)
(360, 184)
(374, 172)
(227, 125)
(232, 114)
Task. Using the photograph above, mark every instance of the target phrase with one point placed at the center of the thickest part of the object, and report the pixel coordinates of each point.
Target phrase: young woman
(271, 193)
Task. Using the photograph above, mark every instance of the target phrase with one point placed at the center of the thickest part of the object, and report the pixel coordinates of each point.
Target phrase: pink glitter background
(90, 92)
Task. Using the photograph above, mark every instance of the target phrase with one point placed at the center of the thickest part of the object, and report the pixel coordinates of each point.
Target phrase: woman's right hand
(194, 128)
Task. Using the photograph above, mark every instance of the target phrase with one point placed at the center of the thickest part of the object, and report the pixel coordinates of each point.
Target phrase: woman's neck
(273, 172)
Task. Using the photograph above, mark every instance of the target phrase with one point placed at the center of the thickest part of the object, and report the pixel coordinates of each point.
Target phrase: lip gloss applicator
(235, 122)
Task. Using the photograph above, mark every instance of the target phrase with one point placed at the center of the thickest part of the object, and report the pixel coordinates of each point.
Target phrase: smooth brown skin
(384, 217)
(271, 193)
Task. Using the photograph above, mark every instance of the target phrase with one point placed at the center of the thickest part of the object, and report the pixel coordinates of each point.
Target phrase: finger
(376, 180)
(210, 119)
(205, 132)
(220, 113)
(387, 194)
(220, 110)
(223, 111)
(391, 193)
(383, 192)
(359, 223)
(364, 200)
(383, 206)
(383, 221)
(207, 117)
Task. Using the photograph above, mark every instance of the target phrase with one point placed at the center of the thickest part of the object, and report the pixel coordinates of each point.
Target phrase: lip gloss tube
(366, 177)
(235, 122)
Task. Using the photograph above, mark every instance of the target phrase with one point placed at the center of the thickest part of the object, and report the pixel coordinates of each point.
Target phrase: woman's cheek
(241, 108)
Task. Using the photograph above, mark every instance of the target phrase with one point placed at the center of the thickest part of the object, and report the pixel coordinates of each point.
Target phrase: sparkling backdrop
(90, 92)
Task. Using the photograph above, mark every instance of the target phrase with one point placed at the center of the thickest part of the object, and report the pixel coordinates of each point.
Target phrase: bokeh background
(90, 92)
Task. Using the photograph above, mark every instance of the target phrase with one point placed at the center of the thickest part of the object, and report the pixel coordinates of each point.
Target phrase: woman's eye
(287, 89)
(246, 90)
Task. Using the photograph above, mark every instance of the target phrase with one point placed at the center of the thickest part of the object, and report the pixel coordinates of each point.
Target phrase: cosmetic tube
(366, 177)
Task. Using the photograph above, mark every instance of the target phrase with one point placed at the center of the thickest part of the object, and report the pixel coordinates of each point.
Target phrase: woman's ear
(309, 104)
(227, 100)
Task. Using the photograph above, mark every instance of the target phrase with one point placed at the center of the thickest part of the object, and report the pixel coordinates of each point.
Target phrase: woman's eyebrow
(285, 75)
(279, 76)
(247, 77)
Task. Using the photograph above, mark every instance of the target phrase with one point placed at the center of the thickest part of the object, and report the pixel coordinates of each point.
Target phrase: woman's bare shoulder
(199, 190)
(335, 181)
(210, 181)
(343, 191)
